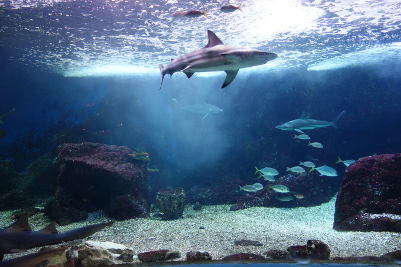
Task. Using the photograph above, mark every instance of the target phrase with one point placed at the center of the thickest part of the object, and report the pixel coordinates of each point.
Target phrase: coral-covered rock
(313, 250)
(243, 256)
(93, 176)
(198, 256)
(171, 201)
(215, 194)
(277, 255)
(369, 198)
(298, 252)
(158, 255)
(318, 250)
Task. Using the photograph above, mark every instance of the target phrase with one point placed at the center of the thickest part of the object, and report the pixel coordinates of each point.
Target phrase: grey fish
(315, 145)
(267, 171)
(251, 188)
(280, 188)
(231, 8)
(248, 188)
(285, 197)
(297, 169)
(325, 171)
(204, 108)
(216, 56)
(268, 177)
(258, 186)
(308, 164)
(304, 123)
(302, 136)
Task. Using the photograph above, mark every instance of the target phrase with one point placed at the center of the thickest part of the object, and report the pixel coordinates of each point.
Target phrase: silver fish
(315, 145)
(280, 188)
(303, 123)
(267, 171)
(302, 136)
(285, 197)
(308, 164)
(325, 171)
(297, 169)
(268, 177)
(216, 56)
(248, 188)
(258, 186)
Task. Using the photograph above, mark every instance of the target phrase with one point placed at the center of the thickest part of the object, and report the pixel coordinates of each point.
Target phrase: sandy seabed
(215, 228)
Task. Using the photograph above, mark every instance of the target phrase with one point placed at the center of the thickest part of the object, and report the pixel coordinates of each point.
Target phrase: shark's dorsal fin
(230, 77)
(303, 115)
(20, 225)
(213, 39)
(50, 229)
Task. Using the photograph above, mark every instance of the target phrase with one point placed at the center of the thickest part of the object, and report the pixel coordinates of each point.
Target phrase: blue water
(88, 71)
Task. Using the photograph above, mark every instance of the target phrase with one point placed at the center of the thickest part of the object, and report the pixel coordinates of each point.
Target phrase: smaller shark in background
(303, 123)
(5, 115)
(216, 56)
(203, 108)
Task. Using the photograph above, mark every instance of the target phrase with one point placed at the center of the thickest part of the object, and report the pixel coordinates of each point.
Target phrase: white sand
(276, 228)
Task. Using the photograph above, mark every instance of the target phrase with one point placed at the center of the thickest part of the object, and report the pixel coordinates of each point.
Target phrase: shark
(33, 259)
(203, 108)
(5, 115)
(303, 123)
(216, 56)
(19, 235)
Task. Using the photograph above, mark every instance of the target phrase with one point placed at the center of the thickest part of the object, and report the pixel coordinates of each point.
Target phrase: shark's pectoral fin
(189, 74)
(205, 115)
(230, 77)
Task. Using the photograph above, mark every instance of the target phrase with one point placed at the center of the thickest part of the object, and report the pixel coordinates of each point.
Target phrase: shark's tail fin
(162, 75)
(239, 7)
(334, 123)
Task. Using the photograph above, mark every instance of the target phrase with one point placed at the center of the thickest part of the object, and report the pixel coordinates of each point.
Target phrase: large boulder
(92, 176)
(369, 198)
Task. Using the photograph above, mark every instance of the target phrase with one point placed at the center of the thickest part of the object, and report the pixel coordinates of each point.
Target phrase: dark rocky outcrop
(313, 250)
(93, 176)
(171, 201)
(158, 255)
(369, 198)
(198, 256)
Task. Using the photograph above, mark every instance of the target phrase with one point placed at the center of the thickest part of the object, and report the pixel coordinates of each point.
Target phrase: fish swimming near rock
(303, 123)
(296, 169)
(251, 188)
(345, 162)
(308, 164)
(203, 108)
(231, 8)
(216, 56)
(325, 171)
(191, 13)
(279, 188)
(266, 171)
(19, 235)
